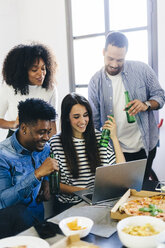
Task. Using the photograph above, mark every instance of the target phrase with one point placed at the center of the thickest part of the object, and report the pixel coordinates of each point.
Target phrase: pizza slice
(150, 206)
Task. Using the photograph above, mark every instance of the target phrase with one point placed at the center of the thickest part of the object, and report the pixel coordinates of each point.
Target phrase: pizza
(73, 241)
(151, 206)
(19, 246)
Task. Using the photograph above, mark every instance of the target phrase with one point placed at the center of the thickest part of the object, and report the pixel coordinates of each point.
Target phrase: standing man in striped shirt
(106, 89)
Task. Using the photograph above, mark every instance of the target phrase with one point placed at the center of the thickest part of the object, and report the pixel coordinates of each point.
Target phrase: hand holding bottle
(105, 137)
(48, 166)
(54, 180)
(136, 106)
(110, 125)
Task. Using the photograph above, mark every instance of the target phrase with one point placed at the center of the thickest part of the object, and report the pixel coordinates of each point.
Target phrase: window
(88, 23)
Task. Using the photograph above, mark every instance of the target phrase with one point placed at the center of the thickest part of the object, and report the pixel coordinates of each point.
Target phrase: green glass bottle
(105, 137)
(130, 118)
(54, 181)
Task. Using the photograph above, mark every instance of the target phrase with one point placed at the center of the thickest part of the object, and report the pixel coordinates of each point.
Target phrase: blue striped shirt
(141, 83)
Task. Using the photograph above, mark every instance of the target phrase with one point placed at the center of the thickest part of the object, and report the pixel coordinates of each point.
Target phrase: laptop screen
(113, 181)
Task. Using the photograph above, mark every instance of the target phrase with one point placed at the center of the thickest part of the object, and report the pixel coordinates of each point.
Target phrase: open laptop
(111, 182)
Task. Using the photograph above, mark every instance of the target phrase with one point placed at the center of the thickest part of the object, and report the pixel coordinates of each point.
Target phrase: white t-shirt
(128, 133)
(9, 100)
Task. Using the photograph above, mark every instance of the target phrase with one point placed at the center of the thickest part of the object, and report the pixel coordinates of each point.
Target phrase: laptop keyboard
(89, 196)
(109, 203)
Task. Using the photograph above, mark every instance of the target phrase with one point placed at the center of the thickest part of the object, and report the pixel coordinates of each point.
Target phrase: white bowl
(82, 221)
(132, 241)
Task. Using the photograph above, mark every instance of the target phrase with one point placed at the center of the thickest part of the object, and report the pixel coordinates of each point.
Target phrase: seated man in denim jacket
(24, 162)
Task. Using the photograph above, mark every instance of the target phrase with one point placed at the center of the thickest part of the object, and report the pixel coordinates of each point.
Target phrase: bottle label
(104, 144)
(105, 137)
(130, 118)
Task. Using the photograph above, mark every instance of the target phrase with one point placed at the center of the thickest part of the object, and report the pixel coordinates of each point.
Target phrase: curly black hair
(31, 110)
(20, 59)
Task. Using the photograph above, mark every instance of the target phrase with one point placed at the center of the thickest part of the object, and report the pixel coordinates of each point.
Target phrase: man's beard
(117, 70)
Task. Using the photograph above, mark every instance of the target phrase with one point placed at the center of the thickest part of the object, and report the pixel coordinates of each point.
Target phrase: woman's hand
(9, 124)
(16, 123)
(111, 126)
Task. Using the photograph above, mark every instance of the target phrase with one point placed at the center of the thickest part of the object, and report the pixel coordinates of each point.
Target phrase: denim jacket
(141, 83)
(18, 183)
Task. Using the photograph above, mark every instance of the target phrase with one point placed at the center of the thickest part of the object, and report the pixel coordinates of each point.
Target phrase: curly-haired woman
(28, 72)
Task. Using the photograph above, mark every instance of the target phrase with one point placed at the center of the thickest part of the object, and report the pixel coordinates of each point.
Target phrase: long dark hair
(20, 59)
(91, 146)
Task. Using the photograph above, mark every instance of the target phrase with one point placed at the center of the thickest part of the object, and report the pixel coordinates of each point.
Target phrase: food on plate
(73, 225)
(74, 241)
(163, 189)
(18, 246)
(151, 206)
(152, 209)
(146, 230)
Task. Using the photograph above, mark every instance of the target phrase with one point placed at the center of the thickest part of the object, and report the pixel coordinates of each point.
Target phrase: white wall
(159, 162)
(9, 26)
(10, 34)
(38, 20)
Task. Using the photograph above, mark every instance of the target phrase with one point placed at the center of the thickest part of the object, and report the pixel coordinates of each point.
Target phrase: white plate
(29, 241)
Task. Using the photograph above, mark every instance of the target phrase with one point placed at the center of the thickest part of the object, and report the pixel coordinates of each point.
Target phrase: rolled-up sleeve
(155, 91)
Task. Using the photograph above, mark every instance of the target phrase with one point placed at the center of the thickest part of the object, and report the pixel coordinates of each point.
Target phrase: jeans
(17, 218)
(142, 155)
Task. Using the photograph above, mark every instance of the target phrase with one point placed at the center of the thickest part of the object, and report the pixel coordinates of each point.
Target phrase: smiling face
(35, 136)
(79, 119)
(37, 73)
(114, 58)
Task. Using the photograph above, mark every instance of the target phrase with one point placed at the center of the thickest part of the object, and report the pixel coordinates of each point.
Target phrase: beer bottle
(130, 118)
(105, 137)
(54, 180)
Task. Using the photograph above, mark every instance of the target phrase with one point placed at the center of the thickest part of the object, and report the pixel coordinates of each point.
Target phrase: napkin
(103, 226)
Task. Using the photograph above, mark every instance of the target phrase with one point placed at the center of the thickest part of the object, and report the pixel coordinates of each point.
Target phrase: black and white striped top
(86, 178)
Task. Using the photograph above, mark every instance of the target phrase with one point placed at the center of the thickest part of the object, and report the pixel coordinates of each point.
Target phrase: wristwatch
(148, 104)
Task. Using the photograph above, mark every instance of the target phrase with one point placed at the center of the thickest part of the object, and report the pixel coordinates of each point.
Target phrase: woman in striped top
(77, 147)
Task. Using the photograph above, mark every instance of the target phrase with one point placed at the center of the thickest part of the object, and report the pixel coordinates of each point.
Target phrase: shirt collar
(125, 68)
(17, 146)
(104, 73)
